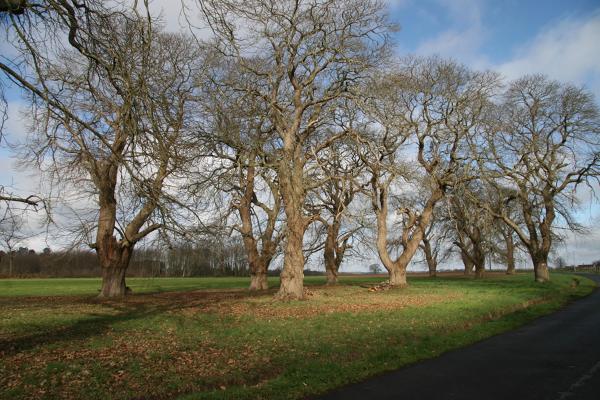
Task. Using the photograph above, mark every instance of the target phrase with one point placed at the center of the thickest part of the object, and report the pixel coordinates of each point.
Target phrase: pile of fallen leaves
(385, 285)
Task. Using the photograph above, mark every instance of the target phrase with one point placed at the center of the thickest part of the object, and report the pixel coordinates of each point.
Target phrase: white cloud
(581, 248)
(178, 15)
(567, 51)
(463, 41)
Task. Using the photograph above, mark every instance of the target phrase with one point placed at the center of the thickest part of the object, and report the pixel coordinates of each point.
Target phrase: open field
(195, 344)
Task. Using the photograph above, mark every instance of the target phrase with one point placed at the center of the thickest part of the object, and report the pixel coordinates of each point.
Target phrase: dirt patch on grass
(329, 300)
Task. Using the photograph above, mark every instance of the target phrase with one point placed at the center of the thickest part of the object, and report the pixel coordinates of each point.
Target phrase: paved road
(556, 357)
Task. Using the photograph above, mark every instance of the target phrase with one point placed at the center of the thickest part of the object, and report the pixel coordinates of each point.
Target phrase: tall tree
(434, 243)
(334, 197)
(432, 106)
(472, 228)
(110, 114)
(305, 54)
(544, 144)
(241, 140)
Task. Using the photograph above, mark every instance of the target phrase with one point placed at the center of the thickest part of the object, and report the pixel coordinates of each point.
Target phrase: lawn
(91, 286)
(176, 341)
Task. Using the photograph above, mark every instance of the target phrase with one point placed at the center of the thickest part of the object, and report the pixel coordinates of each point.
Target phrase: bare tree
(437, 105)
(472, 228)
(434, 243)
(112, 114)
(305, 55)
(334, 197)
(11, 234)
(241, 139)
(506, 252)
(543, 146)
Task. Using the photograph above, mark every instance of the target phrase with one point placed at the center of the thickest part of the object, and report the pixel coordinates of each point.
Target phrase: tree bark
(113, 256)
(510, 254)
(396, 270)
(258, 280)
(431, 261)
(113, 282)
(114, 260)
(398, 276)
(541, 272)
(467, 263)
(332, 277)
(479, 260)
(291, 181)
(479, 270)
(329, 254)
(292, 276)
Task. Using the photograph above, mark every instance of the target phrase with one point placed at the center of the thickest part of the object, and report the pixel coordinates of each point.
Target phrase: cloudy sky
(555, 37)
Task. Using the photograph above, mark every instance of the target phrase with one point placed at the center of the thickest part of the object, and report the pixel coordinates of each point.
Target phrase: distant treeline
(205, 258)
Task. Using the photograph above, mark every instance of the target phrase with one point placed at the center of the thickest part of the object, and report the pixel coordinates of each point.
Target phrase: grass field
(90, 286)
(181, 342)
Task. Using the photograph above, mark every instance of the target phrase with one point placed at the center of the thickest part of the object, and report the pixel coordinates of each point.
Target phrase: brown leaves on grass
(329, 300)
(91, 351)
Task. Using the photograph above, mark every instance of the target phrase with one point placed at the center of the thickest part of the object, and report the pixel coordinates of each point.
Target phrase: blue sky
(503, 25)
(557, 38)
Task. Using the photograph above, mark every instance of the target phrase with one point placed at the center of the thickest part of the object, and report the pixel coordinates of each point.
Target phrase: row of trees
(295, 127)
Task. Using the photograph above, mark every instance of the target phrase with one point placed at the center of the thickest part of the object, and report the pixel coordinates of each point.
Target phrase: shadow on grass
(133, 308)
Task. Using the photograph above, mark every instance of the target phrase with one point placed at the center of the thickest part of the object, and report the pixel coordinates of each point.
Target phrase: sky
(514, 37)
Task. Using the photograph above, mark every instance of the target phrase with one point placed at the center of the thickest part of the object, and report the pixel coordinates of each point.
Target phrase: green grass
(211, 345)
(90, 286)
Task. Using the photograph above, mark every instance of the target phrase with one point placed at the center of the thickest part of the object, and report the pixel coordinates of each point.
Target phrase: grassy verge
(229, 345)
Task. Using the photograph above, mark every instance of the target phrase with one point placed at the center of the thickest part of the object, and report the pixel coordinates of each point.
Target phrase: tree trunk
(258, 280)
(291, 181)
(541, 272)
(113, 282)
(292, 276)
(114, 262)
(332, 277)
(479, 260)
(398, 276)
(431, 261)
(467, 263)
(510, 255)
(257, 263)
(329, 256)
(479, 270)
(113, 256)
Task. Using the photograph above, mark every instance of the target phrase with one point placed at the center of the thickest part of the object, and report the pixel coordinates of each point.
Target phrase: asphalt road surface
(555, 357)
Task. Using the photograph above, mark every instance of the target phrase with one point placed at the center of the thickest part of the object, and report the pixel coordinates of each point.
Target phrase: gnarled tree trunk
(290, 173)
(540, 270)
(479, 260)
(329, 255)
(332, 253)
(113, 256)
(258, 260)
(429, 257)
(114, 260)
(469, 266)
(292, 193)
(258, 279)
(292, 275)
